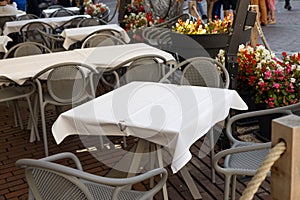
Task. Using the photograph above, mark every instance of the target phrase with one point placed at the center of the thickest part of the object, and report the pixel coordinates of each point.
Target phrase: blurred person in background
(262, 11)
(271, 11)
(287, 5)
(6, 9)
(21, 4)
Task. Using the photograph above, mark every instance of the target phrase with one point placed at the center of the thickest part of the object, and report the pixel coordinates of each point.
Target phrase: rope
(262, 171)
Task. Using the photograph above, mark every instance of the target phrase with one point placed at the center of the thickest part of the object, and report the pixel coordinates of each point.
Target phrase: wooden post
(285, 173)
(254, 31)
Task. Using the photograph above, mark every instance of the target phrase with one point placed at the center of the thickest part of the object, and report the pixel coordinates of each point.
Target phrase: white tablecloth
(22, 68)
(15, 26)
(3, 42)
(170, 115)
(48, 12)
(73, 35)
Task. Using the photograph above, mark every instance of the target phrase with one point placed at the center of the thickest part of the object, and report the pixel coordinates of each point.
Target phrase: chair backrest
(52, 41)
(48, 180)
(30, 31)
(72, 23)
(26, 49)
(201, 71)
(69, 82)
(26, 17)
(101, 39)
(55, 6)
(61, 12)
(144, 68)
(4, 19)
(90, 22)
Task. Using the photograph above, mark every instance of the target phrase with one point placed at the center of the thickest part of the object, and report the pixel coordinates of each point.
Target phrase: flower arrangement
(199, 27)
(95, 9)
(136, 17)
(275, 82)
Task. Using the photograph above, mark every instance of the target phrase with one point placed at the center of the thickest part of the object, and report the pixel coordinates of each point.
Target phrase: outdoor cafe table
(15, 26)
(73, 35)
(106, 58)
(172, 116)
(3, 42)
(48, 12)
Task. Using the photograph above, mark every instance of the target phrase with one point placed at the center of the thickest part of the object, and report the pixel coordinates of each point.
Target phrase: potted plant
(213, 35)
(99, 10)
(272, 81)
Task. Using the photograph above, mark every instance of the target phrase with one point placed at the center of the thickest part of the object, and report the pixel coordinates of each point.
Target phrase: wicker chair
(49, 180)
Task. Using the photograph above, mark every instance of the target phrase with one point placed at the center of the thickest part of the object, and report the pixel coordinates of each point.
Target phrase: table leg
(190, 183)
(161, 164)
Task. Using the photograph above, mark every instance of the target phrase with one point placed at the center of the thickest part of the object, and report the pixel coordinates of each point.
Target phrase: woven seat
(62, 12)
(90, 22)
(26, 17)
(49, 180)
(101, 39)
(30, 31)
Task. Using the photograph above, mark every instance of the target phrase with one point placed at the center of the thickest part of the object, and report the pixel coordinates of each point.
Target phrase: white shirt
(8, 10)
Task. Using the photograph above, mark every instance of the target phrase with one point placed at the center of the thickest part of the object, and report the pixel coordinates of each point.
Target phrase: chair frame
(78, 176)
(26, 17)
(57, 12)
(26, 43)
(115, 40)
(241, 146)
(187, 63)
(24, 29)
(60, 102)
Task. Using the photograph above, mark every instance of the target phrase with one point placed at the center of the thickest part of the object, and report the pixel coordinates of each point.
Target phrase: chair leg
(212, 154)
(233, 187)
(32, 137)
(44, 130)
(17, 110)
(227, 187)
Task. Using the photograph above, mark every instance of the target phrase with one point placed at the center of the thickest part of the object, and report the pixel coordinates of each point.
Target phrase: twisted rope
(259, 177)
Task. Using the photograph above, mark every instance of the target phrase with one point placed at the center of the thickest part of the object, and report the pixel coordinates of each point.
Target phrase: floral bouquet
(199, 27)
(136, 17)
(95, 9)
(275, 81)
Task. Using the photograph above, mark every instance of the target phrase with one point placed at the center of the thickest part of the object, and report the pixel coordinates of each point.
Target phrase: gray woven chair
(13, 93)
(62, 12)
(68, 83)
(200, 71)
(244, 158)
(101, 39)
(52, 41)
(49, 180)
(30, 31)
(26, 49)
(4, 19)
(72, 23)
(147, 67)
(26, 17)
(90, 22)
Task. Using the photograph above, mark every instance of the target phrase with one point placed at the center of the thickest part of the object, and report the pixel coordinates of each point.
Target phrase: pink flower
(276, 85)
(268, 74)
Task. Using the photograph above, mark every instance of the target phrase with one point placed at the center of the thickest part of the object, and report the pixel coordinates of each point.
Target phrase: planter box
(212, 43)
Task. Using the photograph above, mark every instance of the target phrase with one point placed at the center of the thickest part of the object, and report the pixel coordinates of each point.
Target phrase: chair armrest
(66, 155)
(233, 119)
(250, 147)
